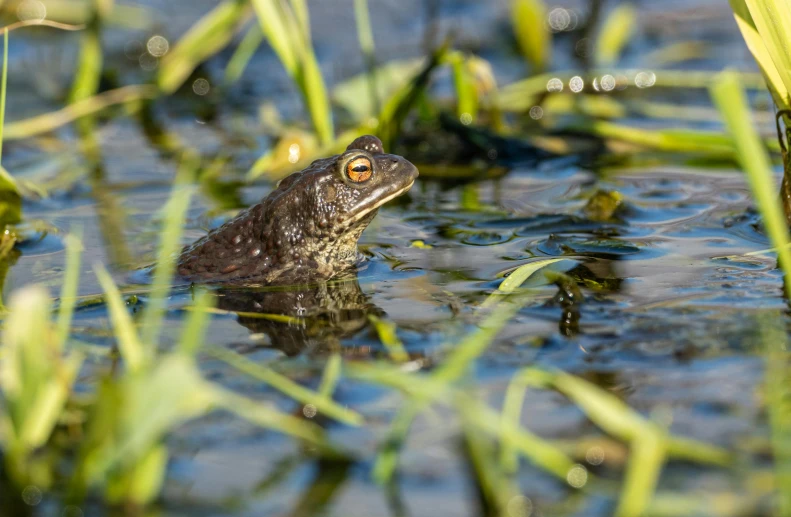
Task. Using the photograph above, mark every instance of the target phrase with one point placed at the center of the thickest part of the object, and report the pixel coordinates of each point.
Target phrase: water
(669, 322)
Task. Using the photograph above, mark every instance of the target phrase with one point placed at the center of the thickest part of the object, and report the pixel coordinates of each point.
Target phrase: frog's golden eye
(359, 169)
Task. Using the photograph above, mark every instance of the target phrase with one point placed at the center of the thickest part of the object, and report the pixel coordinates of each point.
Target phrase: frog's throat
(361, 214)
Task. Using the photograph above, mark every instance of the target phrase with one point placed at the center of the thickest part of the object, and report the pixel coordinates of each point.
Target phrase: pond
(660, 299)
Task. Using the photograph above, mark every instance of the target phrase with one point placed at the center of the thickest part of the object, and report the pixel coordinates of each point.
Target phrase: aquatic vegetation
(98, 390)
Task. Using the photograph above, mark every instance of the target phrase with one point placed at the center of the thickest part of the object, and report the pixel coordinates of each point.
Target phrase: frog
(307, 228)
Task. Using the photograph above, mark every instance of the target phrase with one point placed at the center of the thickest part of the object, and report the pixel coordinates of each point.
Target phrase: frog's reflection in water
(301, 319)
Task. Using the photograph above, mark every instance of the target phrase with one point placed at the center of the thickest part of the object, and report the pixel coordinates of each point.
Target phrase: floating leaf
(522, 273)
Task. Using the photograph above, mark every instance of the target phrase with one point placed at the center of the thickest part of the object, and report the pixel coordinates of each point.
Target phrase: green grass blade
(147, 477)
(757, 46)
(772, 18)
(642, 474)
(51, 121)
(466, 92)
(729, 97)
(169, 245)
(276, 29)
(3, 90)
(386, 330)
(89, 65)
(511, 416)
(387, 459)
(194, 333)
(777, 399)
(44, 413)
(495, 489)
(317, 98)
(614, 34)
(472, 346)
(535, 449)
(243, 53)
(284, 29)
(330, 377)
(128, 342)
(208, 36)
(26, 355)
(302, 16)
(283, 384)
(528, 18)
(366, 39)
(268, 417)
(520, 275)
(71, 280)
(616, 418)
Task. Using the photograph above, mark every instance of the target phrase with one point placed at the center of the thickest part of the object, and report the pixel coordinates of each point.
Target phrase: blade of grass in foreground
(169, 245)
(366, 39)
(511, 416)
(777, 398)
(286, 30)
(243, 54)
(728, 95)
(614, 34)
(125, 331)
(192, 337)
(528, 18)
(208, 36)
(331, 376)
(283, 384)
(772, 18)
(71, 279)
(3, 86)
(11, 212)
(455, 366)
(386, 330)
(757, 46)
(47, 122)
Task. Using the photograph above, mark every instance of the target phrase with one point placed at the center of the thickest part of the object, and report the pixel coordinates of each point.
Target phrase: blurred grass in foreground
(119, 452)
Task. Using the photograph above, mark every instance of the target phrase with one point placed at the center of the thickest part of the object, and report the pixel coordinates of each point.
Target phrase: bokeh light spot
(294, 152)
(554, 85)
(31, 495)
(519, 506)
(645, 79)
(148, 62)
(157, 46)
(465, 119)
(607, 83)
(309, 410)
(559, 19)
(576, 84)
(31, 11)
(71, 511)
(595, 455)
(201, 86)
(536, 112)
(577, 476)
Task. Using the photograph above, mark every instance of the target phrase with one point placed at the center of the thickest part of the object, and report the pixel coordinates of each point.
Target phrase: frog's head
(325, 208)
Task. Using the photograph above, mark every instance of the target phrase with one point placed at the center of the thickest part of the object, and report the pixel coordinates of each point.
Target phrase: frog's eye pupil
(359, 169)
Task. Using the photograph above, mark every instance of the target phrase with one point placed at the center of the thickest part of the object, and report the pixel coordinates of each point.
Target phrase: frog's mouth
(378, 204)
